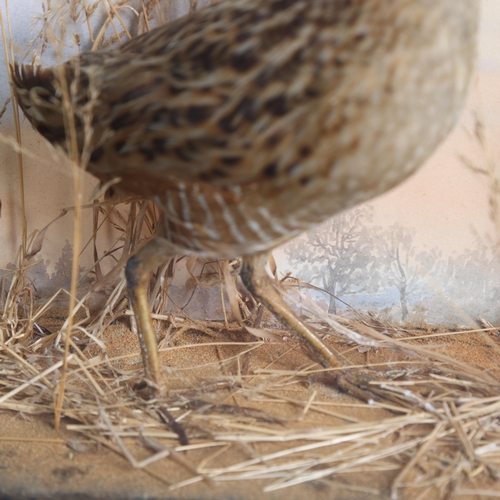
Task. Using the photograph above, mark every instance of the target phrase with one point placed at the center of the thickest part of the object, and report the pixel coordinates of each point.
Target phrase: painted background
(425, 252)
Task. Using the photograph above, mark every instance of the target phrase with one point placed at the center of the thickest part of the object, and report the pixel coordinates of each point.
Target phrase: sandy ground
(38, 462)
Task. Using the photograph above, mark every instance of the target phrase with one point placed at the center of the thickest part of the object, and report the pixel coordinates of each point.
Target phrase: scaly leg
(259, 283)
(138, 272)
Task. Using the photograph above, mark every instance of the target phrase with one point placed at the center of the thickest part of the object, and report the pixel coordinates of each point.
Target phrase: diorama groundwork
(260, 417)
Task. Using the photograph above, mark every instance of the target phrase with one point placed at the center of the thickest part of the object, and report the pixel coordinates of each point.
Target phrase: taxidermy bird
(250, 121)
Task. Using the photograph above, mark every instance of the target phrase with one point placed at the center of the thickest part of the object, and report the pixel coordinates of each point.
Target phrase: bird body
(250, 121)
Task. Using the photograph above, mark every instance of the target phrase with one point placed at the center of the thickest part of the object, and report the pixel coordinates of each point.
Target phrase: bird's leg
(138, 272)
(259, 283)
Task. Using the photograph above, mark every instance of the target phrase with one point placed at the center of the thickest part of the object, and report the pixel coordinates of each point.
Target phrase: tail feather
(38, 92)
(39, 99)
(28, 76)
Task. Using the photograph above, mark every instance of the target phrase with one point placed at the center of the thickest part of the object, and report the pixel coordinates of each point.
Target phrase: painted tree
(61, 277)
(473, 280)
(337, 255)
(397, 263)
(411, 272)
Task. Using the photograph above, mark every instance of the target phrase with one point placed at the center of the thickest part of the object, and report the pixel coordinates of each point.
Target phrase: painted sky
(445, 201)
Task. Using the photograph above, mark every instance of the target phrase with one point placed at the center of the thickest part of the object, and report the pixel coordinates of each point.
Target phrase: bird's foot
(174, 425)
(356, 384)
(156, 394)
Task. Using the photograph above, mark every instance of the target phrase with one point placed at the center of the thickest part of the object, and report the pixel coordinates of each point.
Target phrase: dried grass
(432, 423)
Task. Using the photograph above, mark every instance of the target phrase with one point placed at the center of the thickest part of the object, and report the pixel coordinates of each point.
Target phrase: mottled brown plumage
(250, 121)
